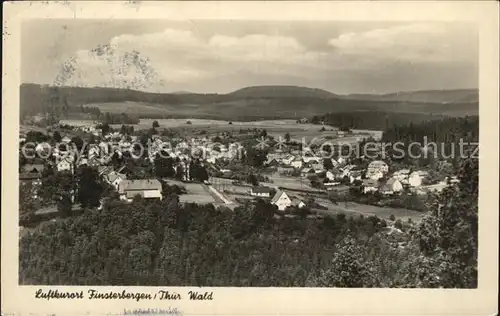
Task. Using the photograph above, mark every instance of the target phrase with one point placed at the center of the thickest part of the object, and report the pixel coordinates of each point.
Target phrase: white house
(66, 139)
(311, 159)
(416, 177)
(370, 185)
(401, 174)
(146, 188)
(355, 175)
(288, 159)
(297, 163)
(378, 165)
(346, 171)
(114, 178)
(391, 186)
(261, 191)
(65, 164)
(376, 169)
(374, 175)
(281, 200)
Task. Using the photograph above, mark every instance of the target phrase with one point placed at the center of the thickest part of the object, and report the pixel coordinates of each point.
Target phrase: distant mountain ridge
(425, 96)
(282, 92)
(251, 103)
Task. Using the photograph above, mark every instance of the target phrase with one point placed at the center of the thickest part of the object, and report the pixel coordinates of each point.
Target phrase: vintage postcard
(250, 158)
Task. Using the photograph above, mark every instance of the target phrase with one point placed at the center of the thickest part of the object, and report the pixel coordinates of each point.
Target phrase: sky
(220, 56)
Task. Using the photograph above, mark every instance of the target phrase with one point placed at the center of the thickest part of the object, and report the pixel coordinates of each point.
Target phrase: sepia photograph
(219, 158)
(248, 153)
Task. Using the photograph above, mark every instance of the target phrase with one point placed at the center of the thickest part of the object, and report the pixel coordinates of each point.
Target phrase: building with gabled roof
(261, 191)
(145, 188)
(281, 200)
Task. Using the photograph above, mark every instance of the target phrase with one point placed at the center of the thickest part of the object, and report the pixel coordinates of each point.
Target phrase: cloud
(414, 43)
(174, 57)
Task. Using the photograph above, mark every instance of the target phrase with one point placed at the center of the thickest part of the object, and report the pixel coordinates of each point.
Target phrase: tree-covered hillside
(164, 243)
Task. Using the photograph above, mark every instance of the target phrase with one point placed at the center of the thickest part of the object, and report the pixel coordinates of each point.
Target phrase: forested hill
(243, 105)
(282, 92)
(444, 130)
(424, 96)
(162, 243)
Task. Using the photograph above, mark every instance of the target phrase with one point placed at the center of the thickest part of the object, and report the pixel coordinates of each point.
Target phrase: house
(281, 200)
(376, 170)
(375, 175)
(146, 188)
(33, 168)
(402, 174)
(114, 178)
(416, 177)
(261, 191)
(333, 175)
(306, 172)
(370, 185)
(272, 162)
(65, 164)
(355, 175)
(330, 185)
(317, 166)
(82, 162)
(297, 163)
(299, 203)
(285, 169)
(391, 186)
(66, 139)
(378, 165)
(346, 171)
(288, 160)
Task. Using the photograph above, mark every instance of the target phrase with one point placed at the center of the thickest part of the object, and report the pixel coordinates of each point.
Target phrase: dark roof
(262, 189)
(139, 185)
(33, 168)
(370, 183)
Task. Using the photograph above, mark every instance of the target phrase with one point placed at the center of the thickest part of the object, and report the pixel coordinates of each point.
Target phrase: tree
(252, 179)
(156, 124)
(57, 137)
(255, 157)
(179, 172)
(164, 165)
(36, 137)
(78, 142)
(327, 164)
(448, 234)
(346, 268)
(189, 122)
(287, 137)
(64, 205)
(105, 128)
(90, 188)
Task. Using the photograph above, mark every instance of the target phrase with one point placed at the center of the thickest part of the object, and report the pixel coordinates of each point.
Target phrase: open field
(308, 133)
(195, 193)
(352, 208)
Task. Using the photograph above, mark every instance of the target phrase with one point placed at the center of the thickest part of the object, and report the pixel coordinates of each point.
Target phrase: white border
(266, 301)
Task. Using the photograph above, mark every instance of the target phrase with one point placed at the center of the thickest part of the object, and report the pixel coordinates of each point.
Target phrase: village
(214, 170)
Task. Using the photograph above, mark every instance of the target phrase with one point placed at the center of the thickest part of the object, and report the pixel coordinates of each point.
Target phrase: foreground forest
(164, 243)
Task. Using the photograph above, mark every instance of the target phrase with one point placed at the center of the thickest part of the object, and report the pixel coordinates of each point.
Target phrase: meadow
(276, 128)
(195, 193)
